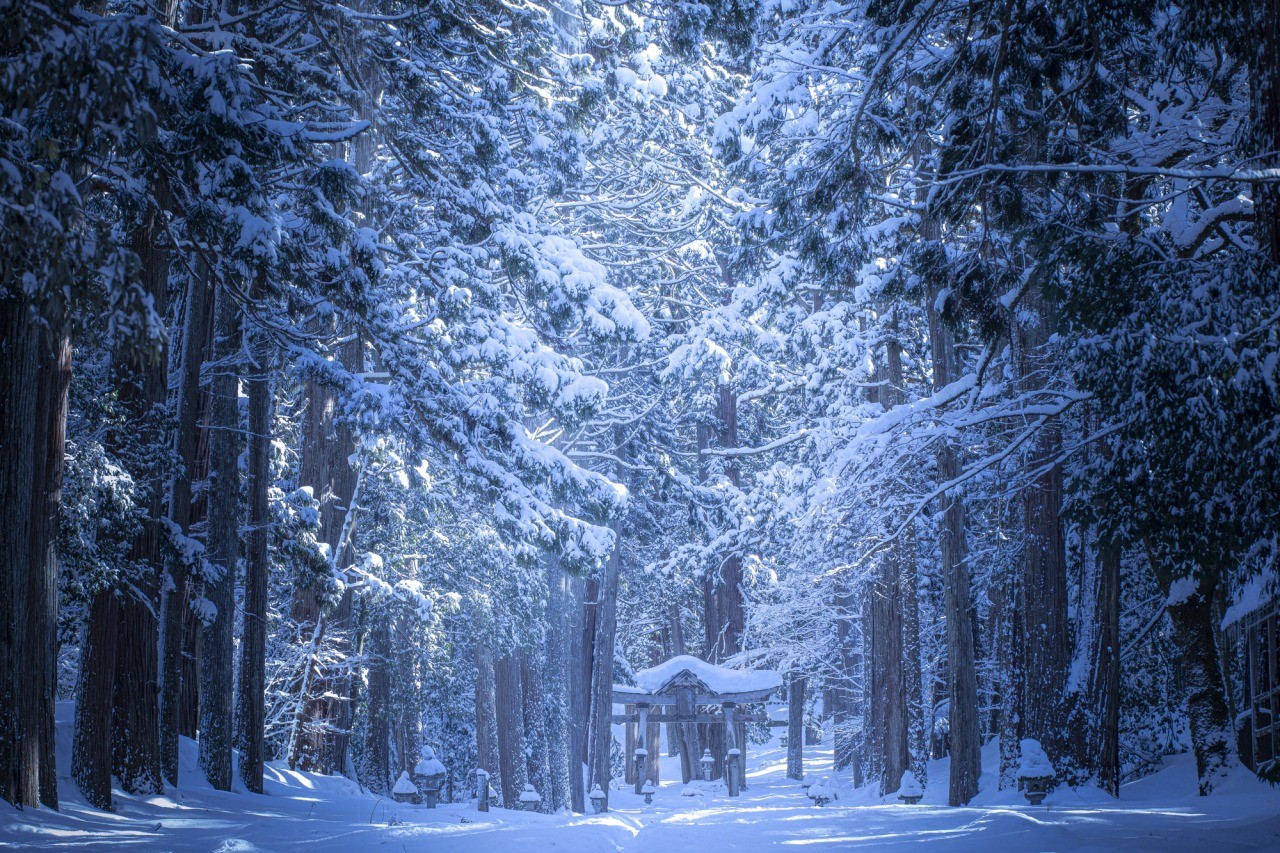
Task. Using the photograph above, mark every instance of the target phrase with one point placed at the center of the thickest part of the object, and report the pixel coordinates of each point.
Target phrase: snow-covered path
(312, 813)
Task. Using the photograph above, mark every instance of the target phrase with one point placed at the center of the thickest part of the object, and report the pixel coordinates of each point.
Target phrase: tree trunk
(486, 714)
(558, 690)
(536, 711)
(510, 716)
(1045, 660)
(251, 718)
(33, 380)
(91, 743)
(579, 704)
(1105, 687)
(962, 680)
(895, 674)
(327, 448)
(599, 734)
(175, 593)
(377, 756)
(1212, 729)
(217, 650)
(844, 707)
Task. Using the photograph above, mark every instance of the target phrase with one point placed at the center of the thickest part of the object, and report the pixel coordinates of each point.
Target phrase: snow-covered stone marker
(482, 790)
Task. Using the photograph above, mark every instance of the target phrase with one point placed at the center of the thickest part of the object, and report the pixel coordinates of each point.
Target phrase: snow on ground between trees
(322, 813)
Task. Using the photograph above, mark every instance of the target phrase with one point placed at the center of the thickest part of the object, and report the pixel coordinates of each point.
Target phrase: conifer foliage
(378, 376)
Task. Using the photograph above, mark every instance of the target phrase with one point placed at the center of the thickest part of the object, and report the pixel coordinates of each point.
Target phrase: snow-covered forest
(385, 383)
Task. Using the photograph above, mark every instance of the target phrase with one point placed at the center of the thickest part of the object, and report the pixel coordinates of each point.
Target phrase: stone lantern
(598, 800)
(707, 763)
(648, 790)
(482, 790)
(530, 799)
(820, 792)
(910, 791)
(1035, 772)
(428, 775)
(405, 791)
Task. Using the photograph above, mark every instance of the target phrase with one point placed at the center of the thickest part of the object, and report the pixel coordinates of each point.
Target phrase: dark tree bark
(903, 551)
(223, 548)
(579, 680)
(327, 447)
(508, 699)
(35, 352)
(1041, 668)
(601, 715)
(844, 705)
(1212, 736)
(91, 743)
(961, 675)
(251, 717)
(1105, 687)
(377, 753)
(175, 593)
(895, 681)
(142, 381)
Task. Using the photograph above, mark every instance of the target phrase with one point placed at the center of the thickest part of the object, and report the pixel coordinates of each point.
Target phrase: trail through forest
(304, 811)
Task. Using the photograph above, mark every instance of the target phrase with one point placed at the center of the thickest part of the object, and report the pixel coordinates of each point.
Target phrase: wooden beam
(694, 718)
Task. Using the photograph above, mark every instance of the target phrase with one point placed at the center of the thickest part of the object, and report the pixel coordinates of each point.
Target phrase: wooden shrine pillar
(733, 755)
(642, 744)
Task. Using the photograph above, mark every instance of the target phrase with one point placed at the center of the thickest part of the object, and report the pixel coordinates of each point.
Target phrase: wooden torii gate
(679, 687)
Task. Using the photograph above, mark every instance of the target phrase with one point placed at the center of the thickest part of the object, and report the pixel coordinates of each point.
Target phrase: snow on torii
(714, 684)
(686, 682)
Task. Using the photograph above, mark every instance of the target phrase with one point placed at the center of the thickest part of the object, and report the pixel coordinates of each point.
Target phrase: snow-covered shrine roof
(711, 683)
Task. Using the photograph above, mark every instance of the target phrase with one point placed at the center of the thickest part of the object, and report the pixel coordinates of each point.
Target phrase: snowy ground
(315, 813)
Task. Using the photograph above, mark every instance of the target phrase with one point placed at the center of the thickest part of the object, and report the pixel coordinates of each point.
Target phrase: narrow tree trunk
(217, 651)
(560, 613)
(579, 704)
(600, 735)
(1105, 688)
(175, 593)
(486, 714)
(251, 718)
(844, 706)
(962, 680)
